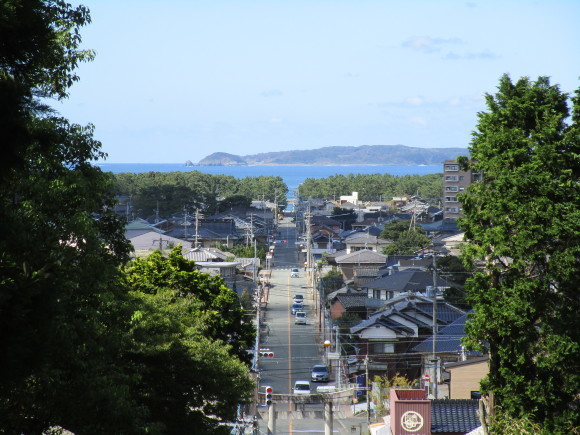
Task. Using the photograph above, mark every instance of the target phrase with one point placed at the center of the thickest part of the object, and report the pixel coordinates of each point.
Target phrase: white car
(298, 299)
(294, 273)
(300, 318)
(302, 387)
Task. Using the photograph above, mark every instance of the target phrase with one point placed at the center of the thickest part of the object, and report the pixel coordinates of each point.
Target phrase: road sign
(426, 377)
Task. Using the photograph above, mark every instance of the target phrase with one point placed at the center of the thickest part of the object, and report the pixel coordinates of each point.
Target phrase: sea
(292, 175)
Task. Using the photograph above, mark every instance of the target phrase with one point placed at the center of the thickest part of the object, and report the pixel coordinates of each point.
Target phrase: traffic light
(269, 391)
(266, 353)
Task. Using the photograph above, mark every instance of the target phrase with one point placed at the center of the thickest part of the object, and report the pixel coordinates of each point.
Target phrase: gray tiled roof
(363, 256)
(412, 307)
(454, 415)
(407, 280)
(448, 339)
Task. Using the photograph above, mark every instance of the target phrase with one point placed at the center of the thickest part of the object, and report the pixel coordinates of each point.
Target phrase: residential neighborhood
(386, 315)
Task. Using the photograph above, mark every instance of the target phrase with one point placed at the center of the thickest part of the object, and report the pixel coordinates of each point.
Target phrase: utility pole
(186, 221)
(272, 419)
(434, 354)
(328, 418)
(368, 390)
(196, 227)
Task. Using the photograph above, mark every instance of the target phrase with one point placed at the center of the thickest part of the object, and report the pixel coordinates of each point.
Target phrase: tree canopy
(407, 239)
(521, 221)
(84, 347)
(374, 187)
(170, 192)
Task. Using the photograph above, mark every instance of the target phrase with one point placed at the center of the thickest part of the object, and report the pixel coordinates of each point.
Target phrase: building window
(451, 189)
(461, 178)
(376, 294)
(452, 167)
(451, 178)
(384, 347)
(451, 198)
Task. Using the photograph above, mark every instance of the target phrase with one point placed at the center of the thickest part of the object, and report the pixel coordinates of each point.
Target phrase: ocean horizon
(292, 175)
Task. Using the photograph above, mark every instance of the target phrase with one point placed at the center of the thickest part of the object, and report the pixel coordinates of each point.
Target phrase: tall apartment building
(455, 181)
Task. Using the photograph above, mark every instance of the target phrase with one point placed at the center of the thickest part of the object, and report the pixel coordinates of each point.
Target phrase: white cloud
(428, 44)
(275, 120)
(418, 120)
(415, 101)
(454, 102)
(483, 55)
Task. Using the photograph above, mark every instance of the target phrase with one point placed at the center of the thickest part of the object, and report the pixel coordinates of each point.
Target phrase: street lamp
(326, 345)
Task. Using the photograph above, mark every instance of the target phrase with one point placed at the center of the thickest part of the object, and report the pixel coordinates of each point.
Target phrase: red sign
(426, 377)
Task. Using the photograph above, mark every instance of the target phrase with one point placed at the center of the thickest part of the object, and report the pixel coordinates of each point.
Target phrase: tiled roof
(362, 256)
(407, 280)
(448, 339)
(454, 415)
(205, 254)
(324, 220)
(446, 313)
(411, 307)
(352, 300)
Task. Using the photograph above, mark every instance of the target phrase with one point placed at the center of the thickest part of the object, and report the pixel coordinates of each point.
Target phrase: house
(144, 244)
(353, 302)
(363, 240)
(451, 244)
(201, 254)
(465, 377)
(319, 222)
(388, 335)
(139, 227)
(347, 262)
(349, 198)
(410, 280)
(412, 412)
(224, 269)
(448, 347)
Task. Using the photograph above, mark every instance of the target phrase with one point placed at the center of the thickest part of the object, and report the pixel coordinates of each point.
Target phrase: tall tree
(521, 220)
(189, 341)
(406, 239)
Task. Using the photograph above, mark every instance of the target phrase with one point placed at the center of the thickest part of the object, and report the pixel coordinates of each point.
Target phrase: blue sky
(179, 80)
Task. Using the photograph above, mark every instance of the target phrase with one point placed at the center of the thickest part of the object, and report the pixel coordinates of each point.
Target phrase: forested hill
(359, 155)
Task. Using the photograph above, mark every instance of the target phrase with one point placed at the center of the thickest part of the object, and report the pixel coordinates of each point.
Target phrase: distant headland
(340, 156)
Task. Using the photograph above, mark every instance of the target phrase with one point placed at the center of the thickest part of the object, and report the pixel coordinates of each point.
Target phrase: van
(300, 318)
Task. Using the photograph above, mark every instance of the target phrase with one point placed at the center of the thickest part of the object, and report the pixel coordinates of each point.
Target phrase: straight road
(296, 347)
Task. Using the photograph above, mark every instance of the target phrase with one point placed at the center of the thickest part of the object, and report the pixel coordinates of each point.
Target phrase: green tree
(226, 323)
(521, 221)
(452, 269)
(61, 245)
(331, 281)
(189, 344)
(407, 240)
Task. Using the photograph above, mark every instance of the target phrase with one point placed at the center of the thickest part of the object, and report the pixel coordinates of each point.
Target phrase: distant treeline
(374, 187)
(170, 192)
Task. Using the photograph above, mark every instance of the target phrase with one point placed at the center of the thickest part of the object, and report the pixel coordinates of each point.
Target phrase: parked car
(294, 273)
(296, 307)
(300, 318)
(320, 373)
(302, 387)
(298, 299)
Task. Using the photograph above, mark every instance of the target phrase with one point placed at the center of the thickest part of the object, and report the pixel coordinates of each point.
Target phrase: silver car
(320, 373)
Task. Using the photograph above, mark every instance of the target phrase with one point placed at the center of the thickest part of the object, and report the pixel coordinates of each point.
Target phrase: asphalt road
(296, 347)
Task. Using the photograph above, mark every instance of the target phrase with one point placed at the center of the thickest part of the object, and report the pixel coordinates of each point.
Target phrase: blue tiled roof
(454, 415)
